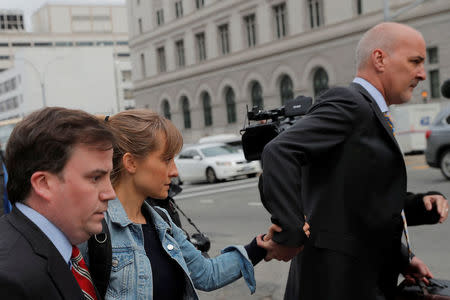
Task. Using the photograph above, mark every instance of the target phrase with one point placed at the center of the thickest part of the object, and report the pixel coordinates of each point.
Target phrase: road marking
(209, 192)
(207, 201)
(254, 204)
(420, 167)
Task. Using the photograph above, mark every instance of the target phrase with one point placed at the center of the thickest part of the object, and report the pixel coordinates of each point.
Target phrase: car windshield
(218, 150)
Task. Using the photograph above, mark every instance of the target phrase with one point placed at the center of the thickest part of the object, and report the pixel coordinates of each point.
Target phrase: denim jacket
(131, 273)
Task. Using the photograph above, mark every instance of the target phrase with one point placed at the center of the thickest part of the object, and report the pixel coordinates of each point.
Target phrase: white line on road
(209, 192)
(254, 204)
(207, 201)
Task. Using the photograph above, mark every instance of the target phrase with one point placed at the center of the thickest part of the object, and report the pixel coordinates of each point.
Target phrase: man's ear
(41, 182)
(129, 162)
(378, 59)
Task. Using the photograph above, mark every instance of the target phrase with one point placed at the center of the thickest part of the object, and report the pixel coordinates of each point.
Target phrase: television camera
(270, 123)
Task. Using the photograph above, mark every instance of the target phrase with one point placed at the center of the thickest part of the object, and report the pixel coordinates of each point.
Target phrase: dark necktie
(405, 225)
(81, 273)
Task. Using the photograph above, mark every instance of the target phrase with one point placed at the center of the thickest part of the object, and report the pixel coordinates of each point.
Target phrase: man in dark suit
(342, 167)
(59, 162)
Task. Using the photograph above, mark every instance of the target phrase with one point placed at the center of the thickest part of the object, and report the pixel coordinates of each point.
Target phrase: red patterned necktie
(405, 225)
(81, 273)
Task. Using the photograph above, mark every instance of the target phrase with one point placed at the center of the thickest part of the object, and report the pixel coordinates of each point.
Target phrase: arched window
(257, 97)
(207, 111)
(286, 89)
(166, 109)
(320, 81)
(231, 105)
(186, 112)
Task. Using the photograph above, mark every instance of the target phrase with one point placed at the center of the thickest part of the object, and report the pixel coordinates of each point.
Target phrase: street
(231, 213)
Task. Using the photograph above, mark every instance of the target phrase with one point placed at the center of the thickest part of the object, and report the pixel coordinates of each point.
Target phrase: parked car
(437, 153)
(230, 139)
(213, 162)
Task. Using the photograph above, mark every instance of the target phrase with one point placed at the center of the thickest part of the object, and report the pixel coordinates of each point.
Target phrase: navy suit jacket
(30, 265)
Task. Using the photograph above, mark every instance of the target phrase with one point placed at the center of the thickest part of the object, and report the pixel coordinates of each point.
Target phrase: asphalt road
(231, 213)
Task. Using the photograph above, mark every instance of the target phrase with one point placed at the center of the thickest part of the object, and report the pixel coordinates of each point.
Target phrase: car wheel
(211, 175)
(445, 164)
(251, 175)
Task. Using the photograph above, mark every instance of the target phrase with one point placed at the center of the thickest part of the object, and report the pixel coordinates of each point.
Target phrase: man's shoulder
(347, 97)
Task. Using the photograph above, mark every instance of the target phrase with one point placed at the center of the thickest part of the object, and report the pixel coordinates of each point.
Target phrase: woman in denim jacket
(150, 258)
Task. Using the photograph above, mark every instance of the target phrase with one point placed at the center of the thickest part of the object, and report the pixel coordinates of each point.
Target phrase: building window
(280, 19)
(128, 94)
(434, 83)
(432, 54)
(126, 75)
(320, 81)
(179, 46)
(315, 13)
(231, 105)
(21, 44)
(43, 44)
(251, 29)
(179, 9)
(159, 17)
(166, 110)
(161, 59)
(359, 7)
(207, 110)
(186, 112)
(223, 39)
(201, 46)
(143, 71)
(140, 25)
(84, 44)
(286, 89)
(199, 3)
(257, 97)
(63, 44)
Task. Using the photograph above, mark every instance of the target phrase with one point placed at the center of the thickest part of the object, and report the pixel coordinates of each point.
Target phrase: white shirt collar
(376, 95)
(54, 234)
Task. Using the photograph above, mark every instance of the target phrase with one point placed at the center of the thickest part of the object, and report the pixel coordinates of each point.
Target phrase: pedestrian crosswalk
(202, 190)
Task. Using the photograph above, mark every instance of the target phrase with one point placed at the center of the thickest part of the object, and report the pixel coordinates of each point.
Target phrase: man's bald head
(384, 36)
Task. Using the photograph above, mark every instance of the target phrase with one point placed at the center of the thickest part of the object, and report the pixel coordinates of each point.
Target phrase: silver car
(437, 152)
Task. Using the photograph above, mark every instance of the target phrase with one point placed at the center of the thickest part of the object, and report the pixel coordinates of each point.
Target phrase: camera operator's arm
(429, 208)
(327, 125)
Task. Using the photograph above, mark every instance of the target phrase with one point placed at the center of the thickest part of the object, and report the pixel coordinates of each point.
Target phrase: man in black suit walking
(59, 162)
(342, 167)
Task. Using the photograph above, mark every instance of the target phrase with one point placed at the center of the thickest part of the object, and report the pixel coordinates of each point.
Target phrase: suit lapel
(57, 268)
(380, 116)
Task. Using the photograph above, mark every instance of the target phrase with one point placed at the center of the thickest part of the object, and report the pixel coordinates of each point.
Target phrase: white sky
(30, 6)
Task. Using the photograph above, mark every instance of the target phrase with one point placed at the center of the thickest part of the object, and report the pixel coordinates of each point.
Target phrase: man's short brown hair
(44, 141)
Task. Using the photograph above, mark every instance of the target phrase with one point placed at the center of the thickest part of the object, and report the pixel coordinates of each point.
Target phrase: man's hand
(275, 228)
(417, 270)
(278, 251)
(441, 205)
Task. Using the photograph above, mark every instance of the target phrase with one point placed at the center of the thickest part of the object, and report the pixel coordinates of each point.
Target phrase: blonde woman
(152, 259)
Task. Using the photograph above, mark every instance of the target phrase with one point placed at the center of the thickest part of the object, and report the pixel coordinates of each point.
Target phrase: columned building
(202, 62)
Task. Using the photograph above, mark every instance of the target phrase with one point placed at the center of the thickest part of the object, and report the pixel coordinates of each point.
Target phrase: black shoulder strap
(164, 216)
(100, 258)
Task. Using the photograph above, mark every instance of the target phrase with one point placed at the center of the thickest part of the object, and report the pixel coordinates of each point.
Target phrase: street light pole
(41, 76)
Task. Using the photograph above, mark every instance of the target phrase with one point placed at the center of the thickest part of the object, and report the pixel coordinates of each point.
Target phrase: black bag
(437, 290)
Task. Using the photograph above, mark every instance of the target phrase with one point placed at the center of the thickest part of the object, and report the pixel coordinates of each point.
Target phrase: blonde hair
(137, 132)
